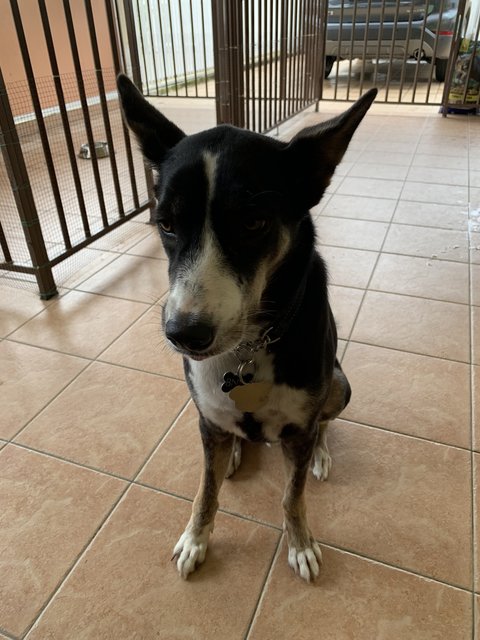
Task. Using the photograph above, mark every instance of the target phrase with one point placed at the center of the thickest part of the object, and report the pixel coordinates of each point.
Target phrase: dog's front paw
(322, 463)
(190, 551)
(306, 562)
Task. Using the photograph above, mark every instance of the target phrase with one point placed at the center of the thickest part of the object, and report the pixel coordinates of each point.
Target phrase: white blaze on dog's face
(223, 245)
(232, 208)
(203, 285)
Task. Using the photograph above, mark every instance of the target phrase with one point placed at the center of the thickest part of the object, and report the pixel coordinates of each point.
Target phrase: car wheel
(440, 69)
(329, 62)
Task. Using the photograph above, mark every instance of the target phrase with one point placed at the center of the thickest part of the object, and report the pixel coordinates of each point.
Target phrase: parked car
(370, 30)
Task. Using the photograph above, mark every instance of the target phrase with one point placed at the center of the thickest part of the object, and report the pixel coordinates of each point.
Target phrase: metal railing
(174, 41)
(268, 50)
(267, 53)
(53, 202)
(401, 47)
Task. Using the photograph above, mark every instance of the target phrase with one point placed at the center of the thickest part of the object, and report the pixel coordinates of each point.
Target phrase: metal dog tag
(251, 397)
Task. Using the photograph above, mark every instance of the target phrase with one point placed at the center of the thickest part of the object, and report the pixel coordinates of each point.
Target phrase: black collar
(277, 329)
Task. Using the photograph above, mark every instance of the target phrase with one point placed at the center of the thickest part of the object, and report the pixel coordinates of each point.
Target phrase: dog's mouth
(213, 350)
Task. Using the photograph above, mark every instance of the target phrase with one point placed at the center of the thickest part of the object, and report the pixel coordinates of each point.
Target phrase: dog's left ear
(316, 151)
(155, 133)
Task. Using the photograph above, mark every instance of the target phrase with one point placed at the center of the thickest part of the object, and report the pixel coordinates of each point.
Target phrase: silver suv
(391, 29)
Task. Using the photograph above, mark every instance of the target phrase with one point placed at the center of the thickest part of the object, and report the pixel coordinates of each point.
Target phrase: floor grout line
(75, 563)
(472, 424)
(379, 254)
(128, 485)
(264, 588)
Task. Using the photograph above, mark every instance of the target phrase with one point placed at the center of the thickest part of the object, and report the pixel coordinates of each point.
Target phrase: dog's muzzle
(189, 334)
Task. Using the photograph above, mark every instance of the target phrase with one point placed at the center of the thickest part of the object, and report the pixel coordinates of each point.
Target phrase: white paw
(235, 458)
(190, 551)
(322, 463)
(306, 562)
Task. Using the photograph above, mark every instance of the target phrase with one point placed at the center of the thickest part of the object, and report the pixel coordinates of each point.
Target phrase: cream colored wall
(11, 60)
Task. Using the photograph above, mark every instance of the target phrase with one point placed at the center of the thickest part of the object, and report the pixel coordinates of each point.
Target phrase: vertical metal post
(22, 192)
(137, 79)
(66, 128)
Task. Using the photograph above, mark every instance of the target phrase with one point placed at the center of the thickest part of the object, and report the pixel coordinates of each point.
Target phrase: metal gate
(268, 60)
(68, 173)
(272, 58)
(402, 47)
(260, 59)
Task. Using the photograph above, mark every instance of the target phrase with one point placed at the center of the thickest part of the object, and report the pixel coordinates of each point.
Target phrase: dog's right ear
(155, 133)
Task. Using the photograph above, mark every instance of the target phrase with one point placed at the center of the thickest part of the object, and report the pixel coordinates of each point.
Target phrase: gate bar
(86, 114)
(40, 121)
(103, 103)
(65, 121)
(22, 192)
(117, 65)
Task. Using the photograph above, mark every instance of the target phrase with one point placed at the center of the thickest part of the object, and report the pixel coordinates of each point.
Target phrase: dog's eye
(166, 226)
(255, 224)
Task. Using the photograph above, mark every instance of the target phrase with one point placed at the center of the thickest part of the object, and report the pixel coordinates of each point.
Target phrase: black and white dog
(248, 306)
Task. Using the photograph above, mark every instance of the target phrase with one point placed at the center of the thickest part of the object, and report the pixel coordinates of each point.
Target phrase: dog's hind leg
(304, 554)
(235, 457)
(337, 400)
(191, 549)
(322, 460)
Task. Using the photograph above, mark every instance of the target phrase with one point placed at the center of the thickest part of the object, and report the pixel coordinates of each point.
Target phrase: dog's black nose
(193, 336)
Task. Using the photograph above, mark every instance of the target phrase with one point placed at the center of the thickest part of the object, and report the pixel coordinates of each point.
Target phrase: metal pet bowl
(101, 150)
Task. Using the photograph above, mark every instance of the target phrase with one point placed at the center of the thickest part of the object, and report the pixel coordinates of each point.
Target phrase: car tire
(440, 69)
(329, 62)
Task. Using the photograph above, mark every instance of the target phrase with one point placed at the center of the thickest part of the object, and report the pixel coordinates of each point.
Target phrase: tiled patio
(100, 455)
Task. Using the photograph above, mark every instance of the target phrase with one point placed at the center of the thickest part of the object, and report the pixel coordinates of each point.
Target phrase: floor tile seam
(23, 343)
(409, 295)
(88, 364)
(91, 275)
(412, 436)
(380, 251)
(279, 529)
(70, 290)
(105, 472)
(159, 442)
(391, 565)
(473, 505)
(68, 461)
(393, 253)
(52, 399)
(7, 634)
(129, 367)
(374, 267)
(97, 359)
(61, 295)
(395, 222)
(398, 294)
(154, 298)
(264, 588)
(406, 179)
(365, 343)
(223, 510)
(76, 561)
(78, 285)
(137, 319)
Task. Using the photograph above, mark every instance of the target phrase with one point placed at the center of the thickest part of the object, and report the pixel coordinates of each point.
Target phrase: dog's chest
(284, 405)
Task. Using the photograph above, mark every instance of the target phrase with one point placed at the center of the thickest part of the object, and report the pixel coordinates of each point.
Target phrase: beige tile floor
(100, 455)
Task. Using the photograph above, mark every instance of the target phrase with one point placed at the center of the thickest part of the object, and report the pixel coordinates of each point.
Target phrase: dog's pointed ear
(316, 151)
(155, 133)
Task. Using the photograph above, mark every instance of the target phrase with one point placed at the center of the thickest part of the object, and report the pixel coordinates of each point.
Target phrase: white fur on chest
(285, 405)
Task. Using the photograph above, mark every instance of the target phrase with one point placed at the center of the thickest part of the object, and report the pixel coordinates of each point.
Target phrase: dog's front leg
(304, 554)
(190, 550)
